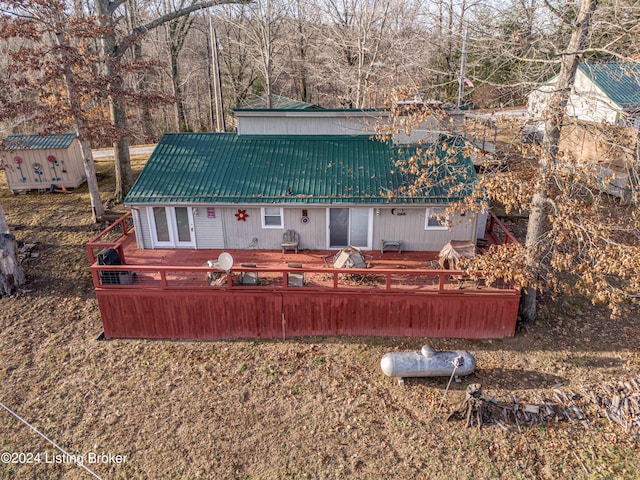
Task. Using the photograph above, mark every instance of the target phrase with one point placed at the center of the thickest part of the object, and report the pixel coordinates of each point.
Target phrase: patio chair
(290, 240)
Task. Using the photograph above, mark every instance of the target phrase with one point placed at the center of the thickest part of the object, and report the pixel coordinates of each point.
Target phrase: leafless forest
(334, 53)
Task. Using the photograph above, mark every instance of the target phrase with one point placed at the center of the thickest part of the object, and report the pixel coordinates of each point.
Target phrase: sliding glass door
(349, 226)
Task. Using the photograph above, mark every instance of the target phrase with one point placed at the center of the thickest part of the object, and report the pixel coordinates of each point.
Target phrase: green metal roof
(620, 81)
(227, 168)
(277, 103)
(36, 141)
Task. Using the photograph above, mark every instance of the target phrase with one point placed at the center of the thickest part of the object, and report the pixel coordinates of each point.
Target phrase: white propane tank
(427, 363)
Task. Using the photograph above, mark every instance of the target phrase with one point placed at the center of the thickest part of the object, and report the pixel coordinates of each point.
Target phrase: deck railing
(498, 232)
(111, 237)
(143, 277)
(282, 278)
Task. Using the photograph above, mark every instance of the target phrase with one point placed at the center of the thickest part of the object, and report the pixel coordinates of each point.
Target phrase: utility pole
(215, 77)
(463, 68)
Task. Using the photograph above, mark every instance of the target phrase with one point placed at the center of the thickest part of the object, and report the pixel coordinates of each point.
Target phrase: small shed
(36, 161)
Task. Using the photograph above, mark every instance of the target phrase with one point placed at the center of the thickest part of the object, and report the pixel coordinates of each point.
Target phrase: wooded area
(335, 53)
(121, 72)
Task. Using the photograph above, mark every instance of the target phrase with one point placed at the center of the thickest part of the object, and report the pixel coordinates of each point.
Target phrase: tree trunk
(217, 81)
(117, 109)
(145, 110)
(4, 228)
(553, 118)
(79, 122)
(97, 209)
(300, 64)
(11, 274)
(177, 92)
(123, 171)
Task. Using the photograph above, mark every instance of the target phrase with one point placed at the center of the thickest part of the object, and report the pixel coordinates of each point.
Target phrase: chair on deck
(290, 240)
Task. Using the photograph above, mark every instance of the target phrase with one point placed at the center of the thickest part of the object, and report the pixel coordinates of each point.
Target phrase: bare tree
(240, 72)
(579, 239)
(114, 46)
(176, 32)
(54, 69)
(356, 34)
(263, 31)
(141, 81)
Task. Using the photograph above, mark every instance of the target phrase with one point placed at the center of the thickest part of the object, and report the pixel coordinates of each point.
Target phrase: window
(434, 220)
(272, 217)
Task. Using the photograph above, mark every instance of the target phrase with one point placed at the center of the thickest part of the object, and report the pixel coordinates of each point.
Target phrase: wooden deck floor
(269, 258)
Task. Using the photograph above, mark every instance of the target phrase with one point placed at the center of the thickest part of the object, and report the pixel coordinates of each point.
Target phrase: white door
(183, 227)
(171, 227)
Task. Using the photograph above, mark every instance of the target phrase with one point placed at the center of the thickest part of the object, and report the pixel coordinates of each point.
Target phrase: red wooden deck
(170, 294)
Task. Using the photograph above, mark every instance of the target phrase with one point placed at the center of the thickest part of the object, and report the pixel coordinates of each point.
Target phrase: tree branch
(11, 13)
(129, 40)
(142, 29)
(114, 5)
(563, 16)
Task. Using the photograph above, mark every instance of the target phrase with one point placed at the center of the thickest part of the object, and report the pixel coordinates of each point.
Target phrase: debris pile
(25, 252)
(619, 402)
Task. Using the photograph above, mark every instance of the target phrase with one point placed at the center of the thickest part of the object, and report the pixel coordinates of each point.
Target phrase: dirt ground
(301, 408)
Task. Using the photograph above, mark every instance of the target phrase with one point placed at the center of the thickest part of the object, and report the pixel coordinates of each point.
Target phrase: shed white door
(172, 227)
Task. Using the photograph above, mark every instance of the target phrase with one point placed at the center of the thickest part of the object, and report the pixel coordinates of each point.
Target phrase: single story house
(605, 106)
(36, 162)
(319, 172)
(606, 92)
(224, 190)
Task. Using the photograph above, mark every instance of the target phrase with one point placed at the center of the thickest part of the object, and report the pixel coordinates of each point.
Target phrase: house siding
(299, 123)
(143, 230)
(589, 102)
(313, 233)
(316, 122)
(409, 228)
(226, 231)
(240, 234)
(209, 230)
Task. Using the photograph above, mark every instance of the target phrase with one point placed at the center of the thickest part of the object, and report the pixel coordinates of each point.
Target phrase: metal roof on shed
(620, 81)
(35, 141)
(227, 168)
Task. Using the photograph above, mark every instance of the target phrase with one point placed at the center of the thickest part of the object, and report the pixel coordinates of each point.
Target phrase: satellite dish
(225, 261)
